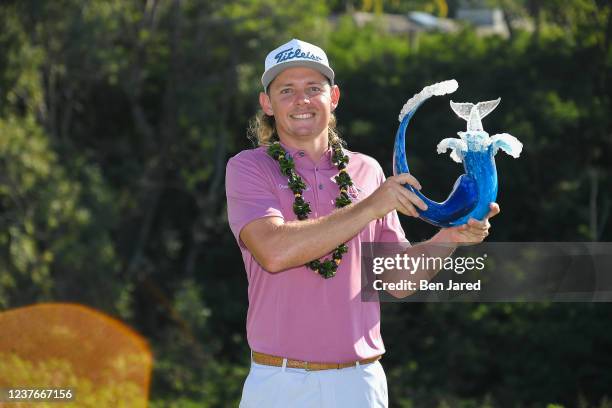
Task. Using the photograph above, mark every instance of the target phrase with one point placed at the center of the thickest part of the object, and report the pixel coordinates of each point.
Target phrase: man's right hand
(392, 195)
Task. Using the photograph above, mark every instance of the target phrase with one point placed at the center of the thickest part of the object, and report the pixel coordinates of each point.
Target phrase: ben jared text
(406, 264)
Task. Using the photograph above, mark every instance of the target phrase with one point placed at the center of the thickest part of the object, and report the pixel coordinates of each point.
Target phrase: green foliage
(55, 216)
(54, 227)
(513, 351)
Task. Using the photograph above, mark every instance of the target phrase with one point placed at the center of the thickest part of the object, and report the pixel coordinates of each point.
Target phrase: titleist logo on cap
(296, 53)
(288, 54)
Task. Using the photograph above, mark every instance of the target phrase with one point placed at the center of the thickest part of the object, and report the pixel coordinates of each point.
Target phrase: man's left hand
(474, 232)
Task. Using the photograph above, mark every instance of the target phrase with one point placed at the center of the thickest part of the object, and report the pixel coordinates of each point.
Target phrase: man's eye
(315, 89)
(285, 91)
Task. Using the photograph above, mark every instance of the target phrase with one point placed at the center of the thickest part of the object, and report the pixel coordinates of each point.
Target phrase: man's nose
(302, 97)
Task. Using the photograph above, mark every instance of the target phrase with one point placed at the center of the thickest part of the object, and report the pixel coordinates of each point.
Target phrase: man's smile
(308, 115)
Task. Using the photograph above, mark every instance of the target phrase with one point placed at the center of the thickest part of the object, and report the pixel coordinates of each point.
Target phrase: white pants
(364, 386)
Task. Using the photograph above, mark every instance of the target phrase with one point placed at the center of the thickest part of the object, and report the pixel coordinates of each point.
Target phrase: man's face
(301, 101)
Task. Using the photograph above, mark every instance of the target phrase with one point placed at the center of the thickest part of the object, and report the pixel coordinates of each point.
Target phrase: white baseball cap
(296, 53)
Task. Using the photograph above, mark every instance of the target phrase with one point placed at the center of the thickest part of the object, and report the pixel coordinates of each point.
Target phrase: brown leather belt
(267, 359)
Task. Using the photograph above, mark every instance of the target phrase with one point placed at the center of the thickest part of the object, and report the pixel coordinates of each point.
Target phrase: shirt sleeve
(249, 195)
(390, 229)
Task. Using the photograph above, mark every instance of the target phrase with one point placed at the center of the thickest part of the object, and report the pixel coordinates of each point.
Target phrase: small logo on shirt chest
(354, 192)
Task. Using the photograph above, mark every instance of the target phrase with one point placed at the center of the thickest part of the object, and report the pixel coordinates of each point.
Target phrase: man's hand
(392, 195)
(474, 232)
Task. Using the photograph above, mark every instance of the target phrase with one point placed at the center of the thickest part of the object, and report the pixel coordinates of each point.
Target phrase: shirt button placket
(315, 194)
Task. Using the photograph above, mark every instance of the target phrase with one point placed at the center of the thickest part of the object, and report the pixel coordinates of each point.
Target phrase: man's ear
(335, 97)
(266, 104)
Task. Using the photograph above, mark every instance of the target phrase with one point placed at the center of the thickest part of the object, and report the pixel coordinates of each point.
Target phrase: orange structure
(68, 346)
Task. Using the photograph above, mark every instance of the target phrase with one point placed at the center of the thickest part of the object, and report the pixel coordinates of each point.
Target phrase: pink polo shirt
(296, 313)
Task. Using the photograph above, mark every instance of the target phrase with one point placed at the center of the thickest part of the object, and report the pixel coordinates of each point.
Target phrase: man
(292, 204)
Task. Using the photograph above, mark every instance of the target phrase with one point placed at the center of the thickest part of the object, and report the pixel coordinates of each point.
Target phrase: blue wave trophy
(474, 190)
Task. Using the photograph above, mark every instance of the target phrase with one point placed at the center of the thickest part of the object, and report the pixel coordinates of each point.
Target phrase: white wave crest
(507, 143)
(458, 148)
(439, 88)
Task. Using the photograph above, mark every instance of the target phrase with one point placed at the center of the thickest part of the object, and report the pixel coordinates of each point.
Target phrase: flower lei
(327, 268)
